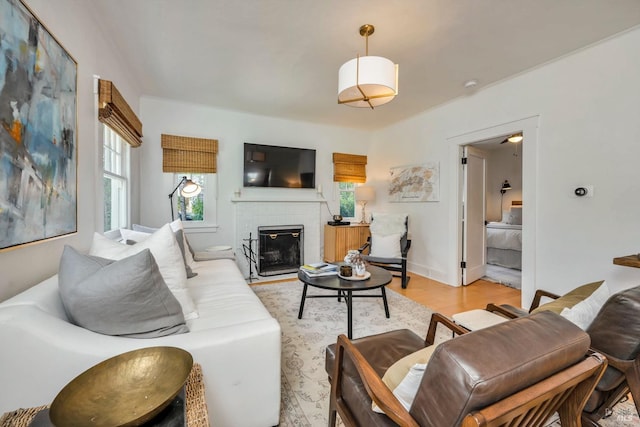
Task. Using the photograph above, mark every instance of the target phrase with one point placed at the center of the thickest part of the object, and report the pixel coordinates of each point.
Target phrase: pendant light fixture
(367, 81)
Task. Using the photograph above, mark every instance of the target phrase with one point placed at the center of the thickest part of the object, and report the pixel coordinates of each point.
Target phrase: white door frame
(529, 127)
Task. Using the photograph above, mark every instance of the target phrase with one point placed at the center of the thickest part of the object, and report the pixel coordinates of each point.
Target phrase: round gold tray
(126, 390)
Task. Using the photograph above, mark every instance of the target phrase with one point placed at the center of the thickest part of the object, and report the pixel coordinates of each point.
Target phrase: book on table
(319, 269)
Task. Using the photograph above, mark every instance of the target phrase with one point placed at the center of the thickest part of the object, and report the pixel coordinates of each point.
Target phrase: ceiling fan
(515, 138)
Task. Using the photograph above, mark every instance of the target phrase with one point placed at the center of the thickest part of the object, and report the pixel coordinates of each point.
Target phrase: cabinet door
(339, 239)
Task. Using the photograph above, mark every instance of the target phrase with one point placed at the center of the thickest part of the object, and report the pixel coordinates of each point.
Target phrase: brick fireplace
(251, 214)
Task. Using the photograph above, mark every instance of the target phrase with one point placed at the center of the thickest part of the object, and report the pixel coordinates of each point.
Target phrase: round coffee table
(345, 288)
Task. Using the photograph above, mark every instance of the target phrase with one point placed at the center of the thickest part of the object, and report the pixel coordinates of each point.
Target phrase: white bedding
(504, 236)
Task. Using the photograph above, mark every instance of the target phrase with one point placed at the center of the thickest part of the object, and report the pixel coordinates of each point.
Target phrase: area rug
(305, 387)
(504, 276)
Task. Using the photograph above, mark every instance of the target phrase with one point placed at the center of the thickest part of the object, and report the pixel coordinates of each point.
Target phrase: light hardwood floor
(449, 300)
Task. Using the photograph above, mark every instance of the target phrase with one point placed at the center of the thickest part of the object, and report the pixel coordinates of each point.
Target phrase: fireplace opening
(280, 249)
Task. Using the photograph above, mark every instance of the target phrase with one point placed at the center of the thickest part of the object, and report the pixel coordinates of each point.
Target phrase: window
(115, 165)
(347, 199)
(199, 210)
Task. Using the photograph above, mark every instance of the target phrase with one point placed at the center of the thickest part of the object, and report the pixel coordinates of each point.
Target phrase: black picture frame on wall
(38, 132)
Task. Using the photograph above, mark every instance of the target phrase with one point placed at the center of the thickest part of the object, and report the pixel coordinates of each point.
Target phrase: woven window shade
(186, 154)
(349, 168)
(114, 112)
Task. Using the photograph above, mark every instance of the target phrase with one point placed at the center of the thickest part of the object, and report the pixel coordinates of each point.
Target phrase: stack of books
(319, 269)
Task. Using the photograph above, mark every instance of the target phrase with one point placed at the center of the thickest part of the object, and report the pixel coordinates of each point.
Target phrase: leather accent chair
(615, 333)
(398, 265)
(515, 373)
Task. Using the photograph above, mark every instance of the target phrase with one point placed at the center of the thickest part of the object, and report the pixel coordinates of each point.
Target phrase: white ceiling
(281, 57)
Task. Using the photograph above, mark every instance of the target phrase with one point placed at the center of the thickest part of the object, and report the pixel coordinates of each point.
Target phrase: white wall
(502, 163)
(232, 129)
(588, 133)
(73, 26)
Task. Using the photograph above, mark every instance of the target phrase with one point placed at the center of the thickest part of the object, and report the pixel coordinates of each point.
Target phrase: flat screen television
(274, 166)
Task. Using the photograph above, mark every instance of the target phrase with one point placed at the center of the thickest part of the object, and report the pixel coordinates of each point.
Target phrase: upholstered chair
(388, 245)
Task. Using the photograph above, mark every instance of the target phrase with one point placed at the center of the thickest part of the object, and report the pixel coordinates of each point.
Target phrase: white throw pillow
(386, 246)
(404, 376)
(165, 251)
(385, 224)
(583, 313)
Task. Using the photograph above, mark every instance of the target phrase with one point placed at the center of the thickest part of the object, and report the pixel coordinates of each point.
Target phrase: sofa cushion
(570, 299)
(126, 297)
(166, 252)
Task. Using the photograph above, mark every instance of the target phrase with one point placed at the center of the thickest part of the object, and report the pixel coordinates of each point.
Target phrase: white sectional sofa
(234, 338)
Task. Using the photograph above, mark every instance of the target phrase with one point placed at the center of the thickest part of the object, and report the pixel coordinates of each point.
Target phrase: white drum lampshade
(367, 81)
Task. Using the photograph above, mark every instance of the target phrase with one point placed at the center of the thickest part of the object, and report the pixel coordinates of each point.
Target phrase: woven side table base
(196, 406)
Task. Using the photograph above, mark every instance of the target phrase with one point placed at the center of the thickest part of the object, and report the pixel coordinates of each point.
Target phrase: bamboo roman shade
(186, 154)
(349, 168)
(114, 112)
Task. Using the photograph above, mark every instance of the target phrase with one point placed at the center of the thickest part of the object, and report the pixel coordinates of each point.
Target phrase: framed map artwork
(38, 140)
(419, 183)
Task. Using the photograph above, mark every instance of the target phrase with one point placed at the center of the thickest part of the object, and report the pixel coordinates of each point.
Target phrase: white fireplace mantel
(278, 200)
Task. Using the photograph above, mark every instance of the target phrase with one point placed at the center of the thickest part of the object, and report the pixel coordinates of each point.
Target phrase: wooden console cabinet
(338, 239)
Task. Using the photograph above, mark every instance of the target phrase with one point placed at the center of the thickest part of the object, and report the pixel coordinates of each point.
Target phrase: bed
(504, 244)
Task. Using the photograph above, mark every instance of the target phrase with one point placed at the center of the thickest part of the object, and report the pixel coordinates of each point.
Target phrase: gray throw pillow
(127, 297)
(180, 239)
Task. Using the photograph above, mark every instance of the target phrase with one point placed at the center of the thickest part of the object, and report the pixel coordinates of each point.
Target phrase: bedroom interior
(504, 234)
(503, 214)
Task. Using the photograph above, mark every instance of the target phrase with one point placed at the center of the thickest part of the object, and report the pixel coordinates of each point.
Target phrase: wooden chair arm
(376, 389)
(538, 296)
(539, 401)
(502, 311)
(621, 365)
(365, 246)
(437, 318)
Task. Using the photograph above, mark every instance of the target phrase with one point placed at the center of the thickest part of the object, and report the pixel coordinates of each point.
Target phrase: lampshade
(365, 194)
(505, 186)
(367, 81)
(190, 189)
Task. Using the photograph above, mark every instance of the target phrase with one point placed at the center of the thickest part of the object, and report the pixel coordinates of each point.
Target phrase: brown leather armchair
(615, 333)
(520, 371)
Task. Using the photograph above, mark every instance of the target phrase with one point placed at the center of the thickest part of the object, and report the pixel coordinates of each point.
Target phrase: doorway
(529, 127)
(503, 225)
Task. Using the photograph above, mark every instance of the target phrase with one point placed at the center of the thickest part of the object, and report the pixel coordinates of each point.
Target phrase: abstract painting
(38, 141)
(419, 183)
